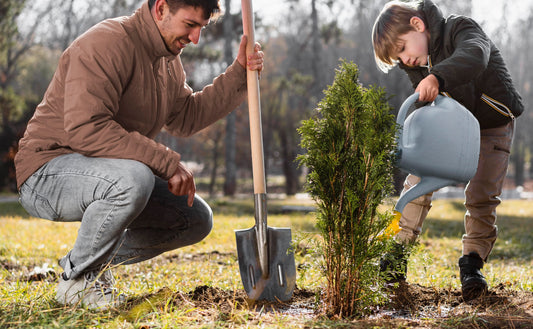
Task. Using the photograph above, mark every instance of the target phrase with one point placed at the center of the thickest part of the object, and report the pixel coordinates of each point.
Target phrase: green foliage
(9, 11)
(11, 106)
(350, 147)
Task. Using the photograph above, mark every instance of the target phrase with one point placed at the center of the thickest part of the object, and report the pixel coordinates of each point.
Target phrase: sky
(487, 12)
(490, 11)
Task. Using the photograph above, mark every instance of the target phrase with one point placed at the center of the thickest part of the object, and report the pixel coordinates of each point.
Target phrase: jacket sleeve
(93, 86)
(470, 54)
(194, 111)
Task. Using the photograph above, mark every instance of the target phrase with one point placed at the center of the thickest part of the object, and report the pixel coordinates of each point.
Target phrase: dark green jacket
(469, 68)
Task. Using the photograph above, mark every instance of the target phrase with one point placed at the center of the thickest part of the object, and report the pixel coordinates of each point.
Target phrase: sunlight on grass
(511, 262)
(27, 242)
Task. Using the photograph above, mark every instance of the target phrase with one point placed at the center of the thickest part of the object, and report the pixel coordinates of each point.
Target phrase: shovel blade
(279, 282)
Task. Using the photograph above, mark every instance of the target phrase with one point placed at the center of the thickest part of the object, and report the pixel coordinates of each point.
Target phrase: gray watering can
(438, 143)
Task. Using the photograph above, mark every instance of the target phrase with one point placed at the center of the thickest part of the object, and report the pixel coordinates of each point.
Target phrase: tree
(293, 82)
(350, 143)
(13, 47)
(230, 182)
(286, 105)
(69, 19)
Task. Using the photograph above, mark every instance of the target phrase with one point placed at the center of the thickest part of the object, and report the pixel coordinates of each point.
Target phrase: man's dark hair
(211, 7)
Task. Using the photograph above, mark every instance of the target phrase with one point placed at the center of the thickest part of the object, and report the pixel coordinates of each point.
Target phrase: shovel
(266, 261)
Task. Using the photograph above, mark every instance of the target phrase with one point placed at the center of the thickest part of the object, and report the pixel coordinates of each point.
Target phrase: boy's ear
(417, 23)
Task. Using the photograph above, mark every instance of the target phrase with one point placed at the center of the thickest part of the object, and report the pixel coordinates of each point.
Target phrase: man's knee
(203, 223)
(137, 180)
(197, 227)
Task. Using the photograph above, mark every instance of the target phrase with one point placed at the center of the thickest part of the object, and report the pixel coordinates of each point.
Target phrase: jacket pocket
(501, 149)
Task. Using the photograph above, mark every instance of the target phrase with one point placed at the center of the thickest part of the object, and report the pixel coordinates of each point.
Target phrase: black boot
(393, 265)
(473, 283)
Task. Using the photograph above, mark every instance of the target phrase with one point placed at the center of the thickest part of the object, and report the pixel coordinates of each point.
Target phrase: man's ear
(417, 23)
(160, 6)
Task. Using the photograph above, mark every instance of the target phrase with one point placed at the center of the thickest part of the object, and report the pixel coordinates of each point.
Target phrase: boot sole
(473, 290)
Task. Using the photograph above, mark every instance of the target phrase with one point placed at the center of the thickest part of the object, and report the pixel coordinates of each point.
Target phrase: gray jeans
(127, 214)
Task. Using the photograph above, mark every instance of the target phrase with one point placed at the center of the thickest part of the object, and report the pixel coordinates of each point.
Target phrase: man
(88, 153)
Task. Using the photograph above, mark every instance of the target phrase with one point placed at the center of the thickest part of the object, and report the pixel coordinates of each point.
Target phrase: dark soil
(411, 306)
(499, 308)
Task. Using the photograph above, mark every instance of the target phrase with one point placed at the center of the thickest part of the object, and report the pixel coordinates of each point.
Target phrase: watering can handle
(402, 113)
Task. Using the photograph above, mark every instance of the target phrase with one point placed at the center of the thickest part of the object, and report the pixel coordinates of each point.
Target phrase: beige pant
(481, 194)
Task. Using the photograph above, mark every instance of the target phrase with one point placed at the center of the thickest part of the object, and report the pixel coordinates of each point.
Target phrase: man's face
(182, 27)
(413, 49)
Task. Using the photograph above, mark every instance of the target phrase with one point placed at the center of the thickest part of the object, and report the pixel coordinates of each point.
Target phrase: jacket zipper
(429, 65)
(499, 107)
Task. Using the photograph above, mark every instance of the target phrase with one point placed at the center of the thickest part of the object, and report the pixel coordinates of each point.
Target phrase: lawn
(200, 287)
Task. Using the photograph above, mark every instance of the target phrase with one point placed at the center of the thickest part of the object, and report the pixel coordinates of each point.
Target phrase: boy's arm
(470, 56)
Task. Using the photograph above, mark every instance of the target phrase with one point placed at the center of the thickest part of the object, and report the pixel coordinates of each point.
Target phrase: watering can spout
(425, 186)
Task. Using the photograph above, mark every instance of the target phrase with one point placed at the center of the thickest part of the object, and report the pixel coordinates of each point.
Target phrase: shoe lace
(102, 282)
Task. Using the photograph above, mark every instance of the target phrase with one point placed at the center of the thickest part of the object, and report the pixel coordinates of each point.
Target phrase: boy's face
(412, 47)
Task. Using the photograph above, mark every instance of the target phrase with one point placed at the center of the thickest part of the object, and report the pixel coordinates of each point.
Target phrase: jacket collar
(149, 34)
(435, 20)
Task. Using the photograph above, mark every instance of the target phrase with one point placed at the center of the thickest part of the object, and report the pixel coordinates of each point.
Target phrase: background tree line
(302, 48)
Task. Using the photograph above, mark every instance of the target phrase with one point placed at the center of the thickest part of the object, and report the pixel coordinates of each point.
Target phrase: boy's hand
(428, 88)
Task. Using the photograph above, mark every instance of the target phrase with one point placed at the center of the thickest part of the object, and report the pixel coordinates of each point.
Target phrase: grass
(163, 288)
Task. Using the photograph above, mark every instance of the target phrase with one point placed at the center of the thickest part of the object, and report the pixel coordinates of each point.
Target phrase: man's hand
(254, 61)
(428, 88)
(182, 183)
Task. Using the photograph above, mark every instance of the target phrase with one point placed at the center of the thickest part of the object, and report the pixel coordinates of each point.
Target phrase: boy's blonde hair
(392, 21)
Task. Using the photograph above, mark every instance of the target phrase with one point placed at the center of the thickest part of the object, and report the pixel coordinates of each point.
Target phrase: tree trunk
(212, 181)
(519, 163)
(290, 169)
(316, 49)
(230, 184)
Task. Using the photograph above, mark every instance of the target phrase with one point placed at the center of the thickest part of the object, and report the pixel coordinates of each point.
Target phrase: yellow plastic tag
(394, 226)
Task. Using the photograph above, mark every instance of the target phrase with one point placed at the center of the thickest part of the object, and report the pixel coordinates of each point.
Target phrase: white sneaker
(93, 290)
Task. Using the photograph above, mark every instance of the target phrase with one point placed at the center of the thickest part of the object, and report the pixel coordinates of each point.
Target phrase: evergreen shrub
(350, 146)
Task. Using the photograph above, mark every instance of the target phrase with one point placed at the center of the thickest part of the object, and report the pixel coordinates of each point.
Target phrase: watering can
(438, 143)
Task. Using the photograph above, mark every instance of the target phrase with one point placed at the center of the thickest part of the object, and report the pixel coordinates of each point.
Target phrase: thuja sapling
(349, 148)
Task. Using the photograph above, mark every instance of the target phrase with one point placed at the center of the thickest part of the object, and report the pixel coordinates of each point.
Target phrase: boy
(453, 56)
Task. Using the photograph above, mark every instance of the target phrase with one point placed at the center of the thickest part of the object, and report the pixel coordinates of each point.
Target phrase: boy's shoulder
(438, 24)
(461, 21)
(459, 26)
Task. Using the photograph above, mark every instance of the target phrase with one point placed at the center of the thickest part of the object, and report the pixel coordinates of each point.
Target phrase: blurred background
(303, 41)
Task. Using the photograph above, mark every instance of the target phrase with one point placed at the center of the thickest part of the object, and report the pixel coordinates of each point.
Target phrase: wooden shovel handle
(254, 104)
